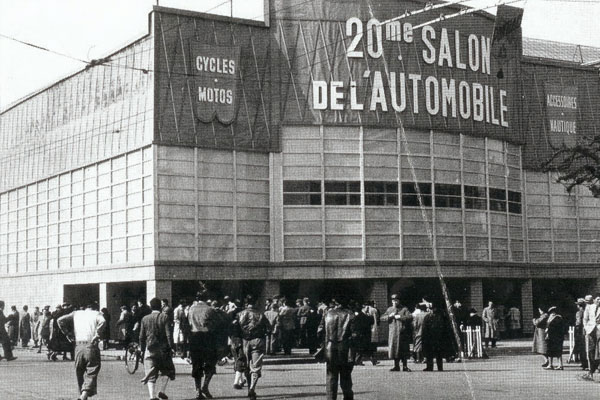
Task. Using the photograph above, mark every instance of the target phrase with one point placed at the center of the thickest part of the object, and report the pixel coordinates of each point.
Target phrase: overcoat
(25, 327)
(555, 335)
(400, 331)
(490, 323)
(418, 331)
(539, 342)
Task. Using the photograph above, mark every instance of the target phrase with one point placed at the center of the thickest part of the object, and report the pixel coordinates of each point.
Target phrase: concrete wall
(212, 205)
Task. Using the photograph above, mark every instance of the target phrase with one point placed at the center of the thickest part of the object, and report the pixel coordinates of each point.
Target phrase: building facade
(326, 149)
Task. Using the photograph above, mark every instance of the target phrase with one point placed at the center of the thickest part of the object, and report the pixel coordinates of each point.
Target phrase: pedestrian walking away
(254, 327)
(156, 341)
(87, 329)
(203, 321)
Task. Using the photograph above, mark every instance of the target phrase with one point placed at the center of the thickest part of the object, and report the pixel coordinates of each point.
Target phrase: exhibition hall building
(360, 147)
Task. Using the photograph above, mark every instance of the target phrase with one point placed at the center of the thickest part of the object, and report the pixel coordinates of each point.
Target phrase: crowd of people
(341, 332)
(550, 330)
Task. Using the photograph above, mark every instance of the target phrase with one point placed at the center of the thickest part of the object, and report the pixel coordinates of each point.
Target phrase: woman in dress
(555, 335)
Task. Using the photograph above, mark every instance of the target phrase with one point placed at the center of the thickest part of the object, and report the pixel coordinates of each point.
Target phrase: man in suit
(591, 325)
(157, 341)
(4, 339)
(338, 324)
(287, 325)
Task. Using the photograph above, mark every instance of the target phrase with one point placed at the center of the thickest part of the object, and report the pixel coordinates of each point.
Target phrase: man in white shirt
(87, 327)
(591, 325)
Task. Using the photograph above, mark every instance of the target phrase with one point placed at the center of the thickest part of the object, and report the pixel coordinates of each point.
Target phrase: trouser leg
(346, 382)
(429, 360)
(7, 349)
(332, 382)
(439, 360)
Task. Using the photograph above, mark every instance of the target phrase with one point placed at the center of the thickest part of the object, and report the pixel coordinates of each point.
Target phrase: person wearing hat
(4, 339)
(591, 325)
(555, 335)
(339, 327)
(539, 335)
(433, 331)
(254, 327)
(579, 346)
(400, 333)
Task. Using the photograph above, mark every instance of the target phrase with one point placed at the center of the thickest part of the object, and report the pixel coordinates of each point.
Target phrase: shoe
(586, 377)
(11, 358)
(545, 364)
(199, 395)
(406, 369)
(559, 368)
(163, 396)
(375, 362)
(237, 386)
(395, 369)
(252, 394)
(549, 367)
(428, 369)
(206, 393)
(361, 364)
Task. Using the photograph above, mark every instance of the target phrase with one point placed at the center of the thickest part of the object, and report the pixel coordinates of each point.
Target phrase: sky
(91, 29)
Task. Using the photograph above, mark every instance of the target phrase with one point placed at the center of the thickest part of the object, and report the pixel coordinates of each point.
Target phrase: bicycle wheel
(132, 359)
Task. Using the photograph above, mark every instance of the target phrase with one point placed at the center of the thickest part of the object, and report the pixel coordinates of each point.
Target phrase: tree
(577, 165)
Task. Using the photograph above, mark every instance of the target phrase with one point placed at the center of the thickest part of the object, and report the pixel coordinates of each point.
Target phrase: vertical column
(276, 209)
(160, 289)
(527, 306)
(103, 300)
(270, 289)
(475, 296)
(595, 287)
(378, 292)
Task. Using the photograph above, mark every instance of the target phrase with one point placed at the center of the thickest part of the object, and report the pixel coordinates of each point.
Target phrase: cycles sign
(214, 80)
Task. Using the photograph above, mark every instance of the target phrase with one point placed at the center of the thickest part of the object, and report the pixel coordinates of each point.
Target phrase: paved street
(505, 375)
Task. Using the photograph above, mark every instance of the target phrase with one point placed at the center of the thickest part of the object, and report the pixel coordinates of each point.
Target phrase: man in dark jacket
(254, 327)
(157, 341)
(435, 326)
(4, 339)
(339, 354)
(203, 321)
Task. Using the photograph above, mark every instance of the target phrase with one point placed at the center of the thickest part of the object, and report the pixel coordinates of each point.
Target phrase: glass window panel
(514, 196)
(335, 199)
(411, 200)
(475, 191)
(476, 204)
(514, 208)
(333, 186)
(447, 190)
(497, 194)
(496, 205)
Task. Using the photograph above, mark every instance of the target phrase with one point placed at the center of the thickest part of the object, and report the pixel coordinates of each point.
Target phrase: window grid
(54, 223)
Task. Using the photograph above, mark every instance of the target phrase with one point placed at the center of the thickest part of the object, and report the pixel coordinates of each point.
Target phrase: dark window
(410, 195)
(447, 195)
(475, 197)
(514, 202)
(381, 193)
(298, 193)
(342, 193)
(497, 199)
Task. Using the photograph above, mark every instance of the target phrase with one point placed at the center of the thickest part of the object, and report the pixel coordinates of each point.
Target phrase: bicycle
(133, 357)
